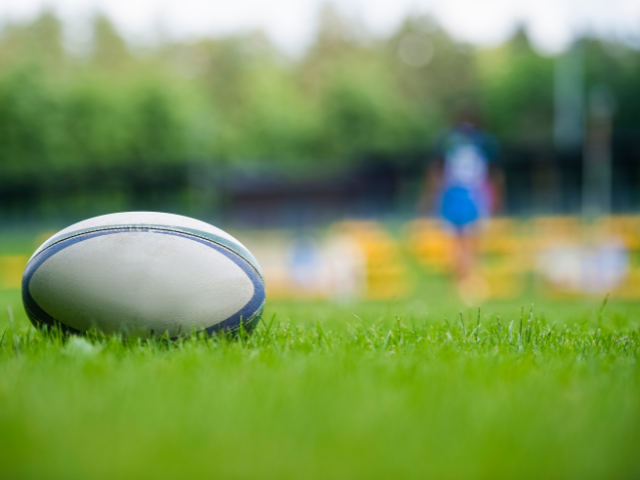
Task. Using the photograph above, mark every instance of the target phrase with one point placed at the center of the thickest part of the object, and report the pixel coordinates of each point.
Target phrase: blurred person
(463, 186)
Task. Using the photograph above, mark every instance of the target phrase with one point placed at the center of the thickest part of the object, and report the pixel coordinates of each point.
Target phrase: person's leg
(461, 209)
(465, 253)
(471, 285)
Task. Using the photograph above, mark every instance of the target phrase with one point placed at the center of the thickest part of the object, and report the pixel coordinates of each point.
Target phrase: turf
(325, 391)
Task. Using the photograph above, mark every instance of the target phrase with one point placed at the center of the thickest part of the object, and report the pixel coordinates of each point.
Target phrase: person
(463, 186)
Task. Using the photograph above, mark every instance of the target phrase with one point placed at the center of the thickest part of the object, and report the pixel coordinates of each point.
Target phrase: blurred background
(306, 129)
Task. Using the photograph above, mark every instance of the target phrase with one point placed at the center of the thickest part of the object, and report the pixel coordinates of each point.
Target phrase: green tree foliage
(27, 120)
(109, 50)
(239, 99)
(516, 92)
(616, 68)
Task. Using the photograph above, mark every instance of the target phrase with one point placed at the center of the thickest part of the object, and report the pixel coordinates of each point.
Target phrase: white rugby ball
(144, 273)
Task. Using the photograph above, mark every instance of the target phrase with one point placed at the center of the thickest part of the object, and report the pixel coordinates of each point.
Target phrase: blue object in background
(459, 207)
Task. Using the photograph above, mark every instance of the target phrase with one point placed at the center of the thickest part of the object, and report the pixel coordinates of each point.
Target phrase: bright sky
(291, 23)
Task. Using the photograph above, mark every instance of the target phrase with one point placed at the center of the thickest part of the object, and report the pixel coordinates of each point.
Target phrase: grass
(324, 391)
(398, 389)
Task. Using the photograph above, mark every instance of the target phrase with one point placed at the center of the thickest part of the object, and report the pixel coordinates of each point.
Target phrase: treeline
(239, 99)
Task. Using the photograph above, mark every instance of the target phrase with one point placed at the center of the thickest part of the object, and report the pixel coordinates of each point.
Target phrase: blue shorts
(461, 207)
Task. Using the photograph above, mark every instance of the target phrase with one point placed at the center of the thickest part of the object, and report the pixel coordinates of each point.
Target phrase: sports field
(415, 388)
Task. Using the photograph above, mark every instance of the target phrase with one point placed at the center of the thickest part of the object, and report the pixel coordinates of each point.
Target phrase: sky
(292, 23)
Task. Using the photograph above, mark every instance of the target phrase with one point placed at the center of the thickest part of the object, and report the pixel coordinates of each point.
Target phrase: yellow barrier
(11, 270)
(562, 251)
(502, 256)
(386, 273)
(431, 244)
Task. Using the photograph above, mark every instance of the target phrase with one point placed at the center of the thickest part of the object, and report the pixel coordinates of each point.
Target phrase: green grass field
(319, 393)
(399, 389)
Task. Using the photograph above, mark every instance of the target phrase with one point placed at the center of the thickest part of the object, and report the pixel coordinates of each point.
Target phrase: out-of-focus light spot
(415, 50)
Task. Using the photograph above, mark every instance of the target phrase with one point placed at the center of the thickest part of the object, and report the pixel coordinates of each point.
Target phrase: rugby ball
(143, 273)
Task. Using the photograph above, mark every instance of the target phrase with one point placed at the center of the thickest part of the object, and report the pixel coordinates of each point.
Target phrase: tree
(109, 50)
